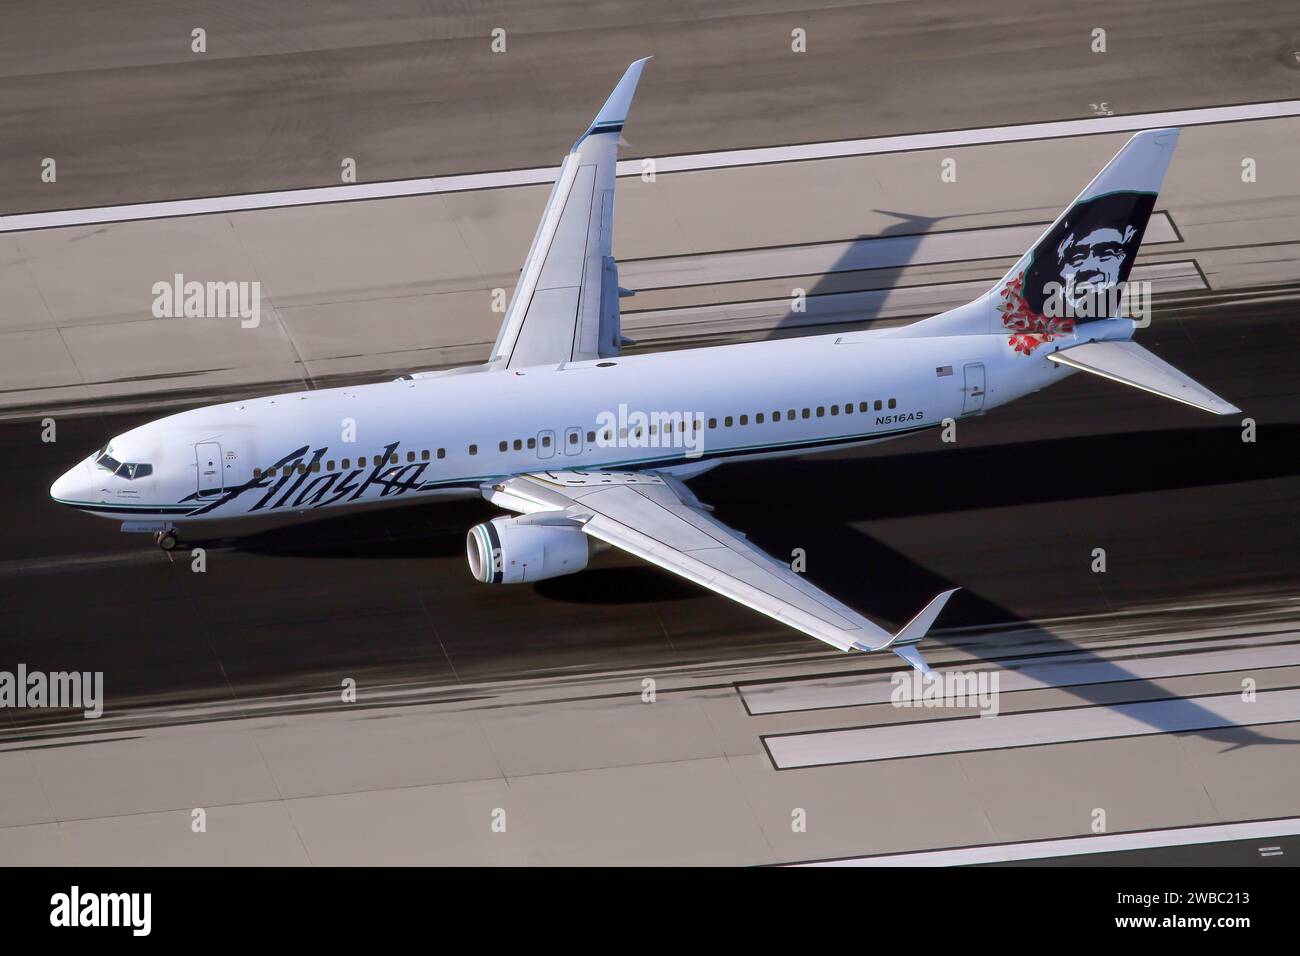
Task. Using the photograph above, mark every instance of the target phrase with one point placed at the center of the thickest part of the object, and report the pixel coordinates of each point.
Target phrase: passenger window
(473, 449)
(727, 421)
(758, 419)
(519, 444)
(410, 457)
(848, 408)
(821, 411)
(546, 441)
(878, 404)
(776, 416)
(392, 460)
(713, 423)
(790, 413)
(862, 406)
(315, 467)
(744, 419)
(501, 446)
(893, 403)
(347, 463)
(271, 472)
(591, 438)
(257, 472)
(424, 454)
(442, 453)
(835, 409)
(807, 413)
(573, 438)
(532, 443)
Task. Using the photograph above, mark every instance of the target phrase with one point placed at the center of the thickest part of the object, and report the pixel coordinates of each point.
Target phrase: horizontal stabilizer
(1131, 364)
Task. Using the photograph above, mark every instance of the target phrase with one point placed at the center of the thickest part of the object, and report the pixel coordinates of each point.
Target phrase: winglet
(904, 642)
(912, 655)
(613, 114)
(919, 626)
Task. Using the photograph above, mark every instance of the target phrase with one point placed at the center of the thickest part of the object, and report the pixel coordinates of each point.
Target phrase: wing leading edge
(565, 307)
(658, 519)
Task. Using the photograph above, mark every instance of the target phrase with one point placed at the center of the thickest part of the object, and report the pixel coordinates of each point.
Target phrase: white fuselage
(317, 452)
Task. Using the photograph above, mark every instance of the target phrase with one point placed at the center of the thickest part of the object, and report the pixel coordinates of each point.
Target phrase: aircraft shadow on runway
(863, 571)
(847, 276)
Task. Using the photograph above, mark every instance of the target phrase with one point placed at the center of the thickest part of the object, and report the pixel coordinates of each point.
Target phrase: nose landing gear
(167, 540)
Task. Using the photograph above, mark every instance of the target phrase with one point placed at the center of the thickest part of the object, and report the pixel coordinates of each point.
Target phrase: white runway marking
(666, 164)
(1068, 725)
(1078, 846)
(856, 691)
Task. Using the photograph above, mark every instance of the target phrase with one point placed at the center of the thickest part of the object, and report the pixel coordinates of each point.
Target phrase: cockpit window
(123, 469)
(108, 461)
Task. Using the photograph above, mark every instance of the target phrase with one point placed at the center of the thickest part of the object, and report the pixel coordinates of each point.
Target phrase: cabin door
(207, 456)
(973, 403)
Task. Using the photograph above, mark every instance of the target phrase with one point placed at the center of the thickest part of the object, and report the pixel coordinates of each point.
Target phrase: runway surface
(283, 94)
(223, 687)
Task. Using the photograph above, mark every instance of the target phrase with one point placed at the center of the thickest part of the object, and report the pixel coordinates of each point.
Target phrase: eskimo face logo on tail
(296, 481)
(1082, 260)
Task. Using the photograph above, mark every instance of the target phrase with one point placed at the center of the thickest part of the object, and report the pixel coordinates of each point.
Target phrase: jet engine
(514, 550)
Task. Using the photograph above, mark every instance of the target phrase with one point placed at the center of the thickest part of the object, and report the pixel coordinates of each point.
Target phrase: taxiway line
(1007, 731)
(689, 162)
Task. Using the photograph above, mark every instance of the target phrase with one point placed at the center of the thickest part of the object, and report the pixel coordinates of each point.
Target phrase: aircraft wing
(565, 307)
(655, 517)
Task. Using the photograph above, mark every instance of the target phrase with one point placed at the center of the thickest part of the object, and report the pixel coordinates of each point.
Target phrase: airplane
(590, 448)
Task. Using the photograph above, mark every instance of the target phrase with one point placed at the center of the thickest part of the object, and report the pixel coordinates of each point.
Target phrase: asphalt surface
(536, 689)
(408, 88)
(1011, 512)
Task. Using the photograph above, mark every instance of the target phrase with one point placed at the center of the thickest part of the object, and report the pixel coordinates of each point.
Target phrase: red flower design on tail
(1029, 329)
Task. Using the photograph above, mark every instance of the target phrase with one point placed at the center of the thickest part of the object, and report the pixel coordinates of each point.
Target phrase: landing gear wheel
(166, 540)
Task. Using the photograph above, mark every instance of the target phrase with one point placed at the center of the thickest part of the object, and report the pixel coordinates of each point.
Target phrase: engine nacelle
(513, 550)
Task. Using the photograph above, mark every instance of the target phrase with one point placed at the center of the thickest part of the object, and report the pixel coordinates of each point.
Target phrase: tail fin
(1093, 243)
(1084, 255)
(1076, 272)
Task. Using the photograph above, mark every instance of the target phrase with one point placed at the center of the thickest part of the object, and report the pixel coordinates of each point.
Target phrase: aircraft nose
(71, 485)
